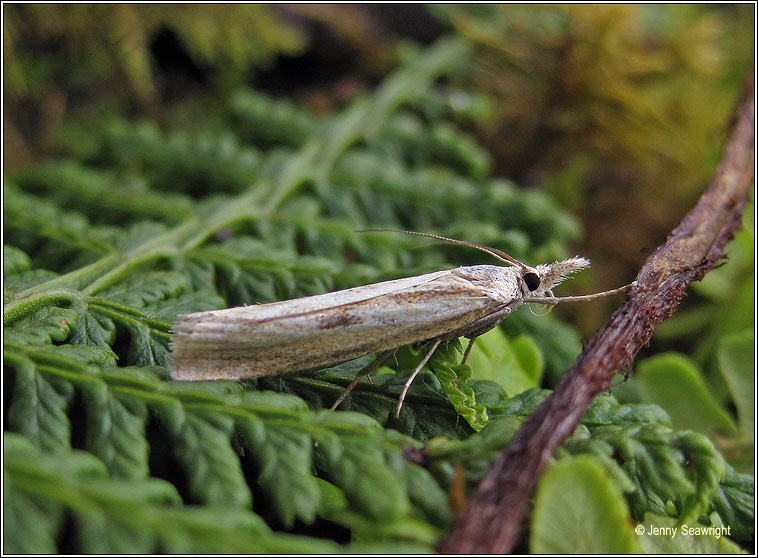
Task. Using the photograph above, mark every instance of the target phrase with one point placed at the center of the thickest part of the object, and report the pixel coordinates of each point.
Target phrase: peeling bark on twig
(493, 517)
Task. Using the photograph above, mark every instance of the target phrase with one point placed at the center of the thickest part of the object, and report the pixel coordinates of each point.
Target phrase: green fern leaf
(42, 327)
(94, 329)
(102, 195)
(39, 405)
(203, 450)
(285, 458)
(735, 504)
(199, 161)
(262, 120)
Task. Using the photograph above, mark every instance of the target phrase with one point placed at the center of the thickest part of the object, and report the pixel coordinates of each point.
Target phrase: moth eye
(532, 281)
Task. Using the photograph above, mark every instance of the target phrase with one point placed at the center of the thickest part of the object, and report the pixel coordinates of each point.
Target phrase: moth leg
(468, 350)
(365, 371)
(413, 376)
(626, 372)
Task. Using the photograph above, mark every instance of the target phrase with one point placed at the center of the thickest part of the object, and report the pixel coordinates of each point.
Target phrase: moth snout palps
(324, 330)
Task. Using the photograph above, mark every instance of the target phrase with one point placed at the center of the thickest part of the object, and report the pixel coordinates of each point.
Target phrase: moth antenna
(494, 252)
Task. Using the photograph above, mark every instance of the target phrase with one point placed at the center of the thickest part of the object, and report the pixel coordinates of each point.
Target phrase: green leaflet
(516, 365)
(249, 270)
(361, 469)
(454, 382)
(734, 357)
(735, 504)
(261, 119)
(673, 382)
(203, 449)
(42, 327)
(443, 145)
(103, 192)
(655, 458)
(38, 407)
(18, 275)
(559, 344)
(145, 289)
(283, 455)
(578, 510)
(94, 329)
(191, 162)
(436, 402)
(148, 338)
(29, 217)
(15, 261)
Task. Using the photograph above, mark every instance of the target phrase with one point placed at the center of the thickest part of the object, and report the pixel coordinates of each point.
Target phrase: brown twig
(491, 521)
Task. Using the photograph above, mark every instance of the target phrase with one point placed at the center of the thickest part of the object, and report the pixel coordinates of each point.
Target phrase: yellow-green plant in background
(61, 56)
(618, 109)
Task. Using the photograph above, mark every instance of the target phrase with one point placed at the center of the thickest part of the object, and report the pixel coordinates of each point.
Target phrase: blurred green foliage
(99, 59)
(618, 110)
(226, 196)
(71, 46)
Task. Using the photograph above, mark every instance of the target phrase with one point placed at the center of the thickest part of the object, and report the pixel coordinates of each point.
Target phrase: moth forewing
(324, 330)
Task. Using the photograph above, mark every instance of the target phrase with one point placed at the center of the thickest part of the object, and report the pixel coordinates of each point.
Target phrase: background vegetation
(165, 159)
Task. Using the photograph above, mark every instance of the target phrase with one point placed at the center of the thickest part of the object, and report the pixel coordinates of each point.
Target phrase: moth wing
(305, 305)
(323, 330)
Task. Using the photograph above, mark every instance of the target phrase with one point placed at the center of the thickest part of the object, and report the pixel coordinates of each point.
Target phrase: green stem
(131, 321)
(102, 303)
(77, 279)
(160, 247)
(243, 207)
(34, 301)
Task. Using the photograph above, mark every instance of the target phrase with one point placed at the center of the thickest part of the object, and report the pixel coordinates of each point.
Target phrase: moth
(324, 330)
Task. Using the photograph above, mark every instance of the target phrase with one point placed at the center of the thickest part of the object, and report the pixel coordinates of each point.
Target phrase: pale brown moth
(324, 330)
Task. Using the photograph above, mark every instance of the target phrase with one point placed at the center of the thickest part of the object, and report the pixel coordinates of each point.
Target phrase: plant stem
(34, 301)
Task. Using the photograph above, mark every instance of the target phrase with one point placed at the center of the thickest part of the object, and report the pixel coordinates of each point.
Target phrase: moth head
(540, 279)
